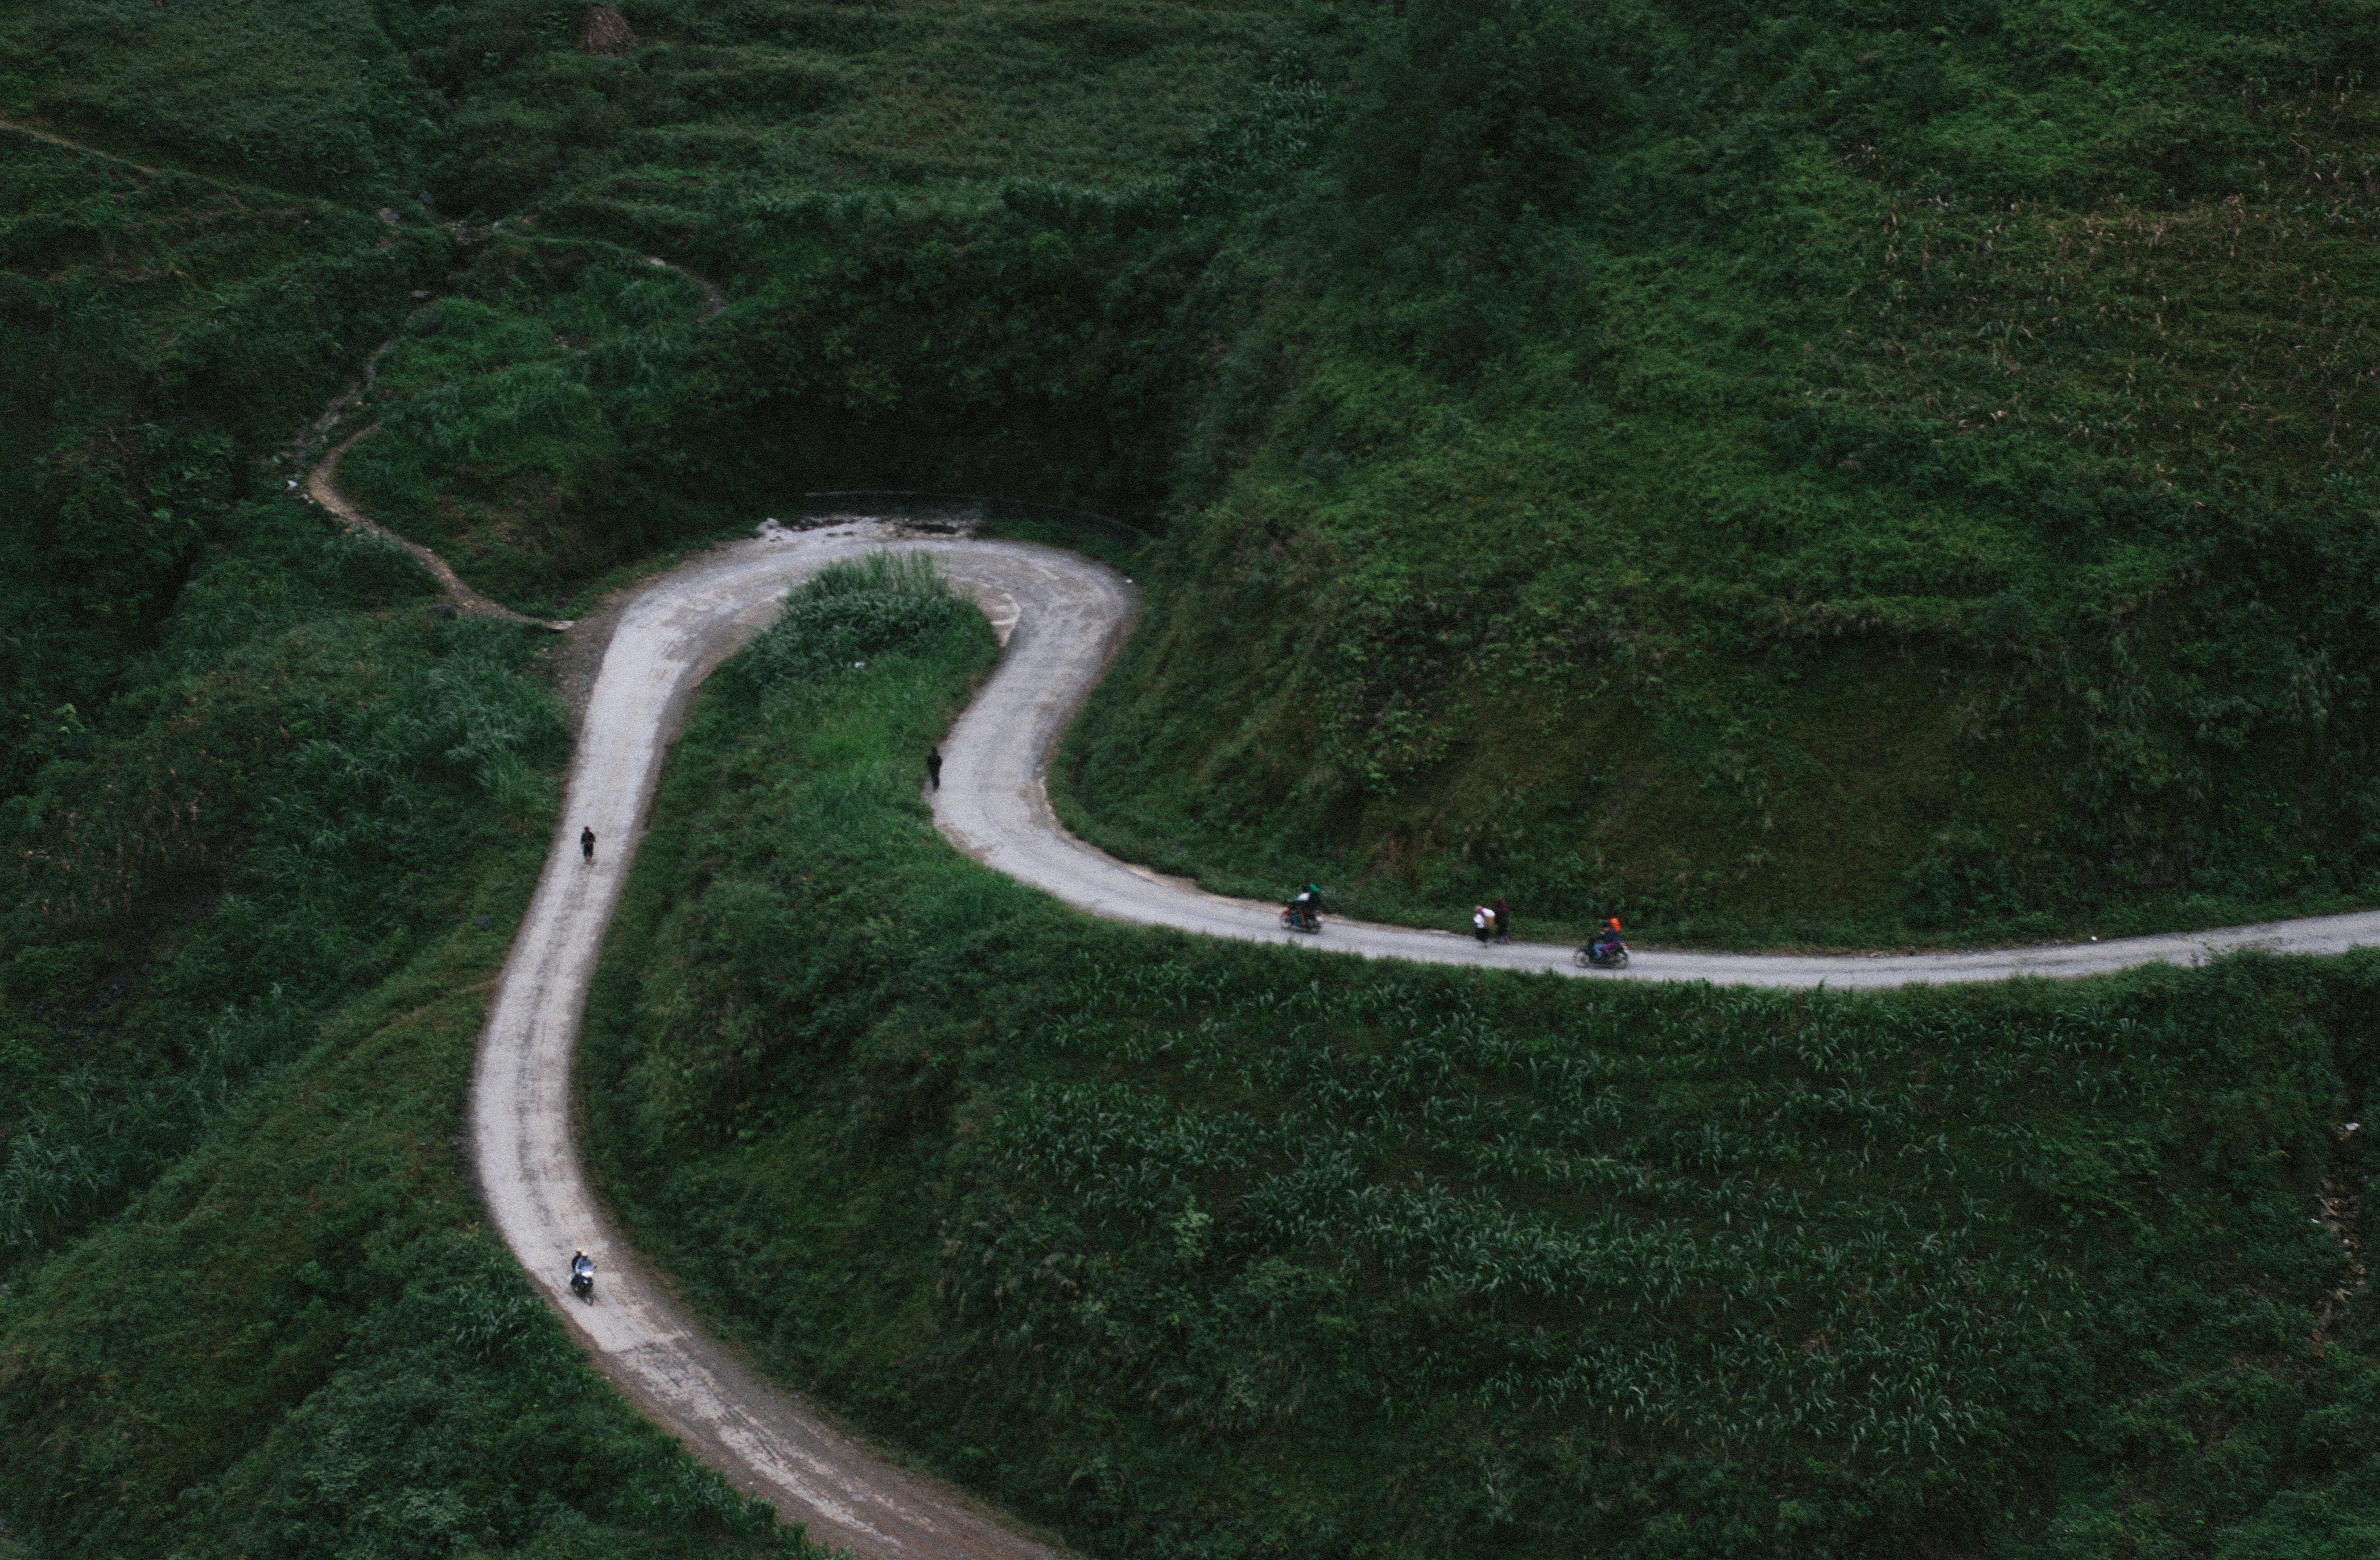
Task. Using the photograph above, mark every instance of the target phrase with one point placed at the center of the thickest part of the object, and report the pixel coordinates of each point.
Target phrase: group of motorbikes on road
(1605, 950)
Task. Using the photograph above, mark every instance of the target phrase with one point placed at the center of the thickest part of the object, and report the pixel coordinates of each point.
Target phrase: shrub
(848, 612)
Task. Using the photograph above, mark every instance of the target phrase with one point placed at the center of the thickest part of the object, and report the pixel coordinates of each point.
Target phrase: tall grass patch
(839, 617)
(516, 420)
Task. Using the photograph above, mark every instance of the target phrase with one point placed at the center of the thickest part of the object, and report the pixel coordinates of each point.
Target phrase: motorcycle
(582, 1283)
(1296, 919)
(1598, 956)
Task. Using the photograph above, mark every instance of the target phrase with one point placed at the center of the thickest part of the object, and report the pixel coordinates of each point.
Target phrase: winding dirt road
(1061, 618)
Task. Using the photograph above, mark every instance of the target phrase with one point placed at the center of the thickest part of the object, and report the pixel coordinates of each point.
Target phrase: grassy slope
(1190, 1249)
(314, 101)
(1821, 578)
(270, 820)
(245, 1304)
(712, 143)
(161, 329)
(506, 407)
(1408, 400)
(300, 1341)
(1826, 480)
(793, 97)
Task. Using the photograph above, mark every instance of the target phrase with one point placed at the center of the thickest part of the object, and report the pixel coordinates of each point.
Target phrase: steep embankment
(1823, 477)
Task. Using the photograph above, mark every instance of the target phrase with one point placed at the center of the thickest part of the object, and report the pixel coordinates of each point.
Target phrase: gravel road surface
(1061, 618)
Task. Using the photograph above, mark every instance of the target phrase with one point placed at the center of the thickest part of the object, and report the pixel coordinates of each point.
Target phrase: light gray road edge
(1061, 618)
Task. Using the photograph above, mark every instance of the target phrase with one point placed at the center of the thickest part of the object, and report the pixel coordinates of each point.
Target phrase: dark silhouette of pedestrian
(1503, 922)
(587, 844)
(934, 767)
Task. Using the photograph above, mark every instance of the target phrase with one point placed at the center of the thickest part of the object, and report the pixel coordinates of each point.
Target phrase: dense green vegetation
(720, 102)
(297, 1341)
(1834, 477)
(269, 826)
(512, 403)
(166, 329)
(160, 331)
(1842, 474)
(1834, 473)
(245, 1304)
(1195, 1249)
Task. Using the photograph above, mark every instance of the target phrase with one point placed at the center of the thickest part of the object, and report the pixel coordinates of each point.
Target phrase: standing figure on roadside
(934, 767)
(587, 844)
(1503, 922)
(1483, 922)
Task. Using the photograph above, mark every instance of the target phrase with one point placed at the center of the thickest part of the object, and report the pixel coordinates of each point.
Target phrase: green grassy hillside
(270, 813)
(246, 1305)
(1804, 478)
(907, 210)
(161, 332)
(786, 96)
(300, 1341)
(1188, 1248)
(1812, 479)
(1824, 475)
(314, 99)
(509, 411)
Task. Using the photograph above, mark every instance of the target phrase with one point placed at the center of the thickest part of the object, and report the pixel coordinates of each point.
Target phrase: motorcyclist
(1308, 905)
(1606, 942)
(582, 1272)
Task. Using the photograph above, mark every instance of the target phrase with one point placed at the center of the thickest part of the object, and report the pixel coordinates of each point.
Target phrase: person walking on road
(587, 844)
(934, 768)
(1483, 922)
(1503, 922)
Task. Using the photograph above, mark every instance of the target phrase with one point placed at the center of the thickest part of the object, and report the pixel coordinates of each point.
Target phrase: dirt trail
(714, 300)
(323, 478)
(57, 140)
(321, 486)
